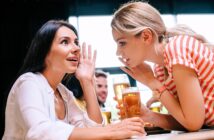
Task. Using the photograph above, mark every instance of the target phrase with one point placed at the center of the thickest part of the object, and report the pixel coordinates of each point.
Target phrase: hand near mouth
(142, 73)
(86, 66)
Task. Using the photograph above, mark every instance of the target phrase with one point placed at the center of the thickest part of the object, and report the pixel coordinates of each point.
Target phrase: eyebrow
(66, 37)
(119, 38)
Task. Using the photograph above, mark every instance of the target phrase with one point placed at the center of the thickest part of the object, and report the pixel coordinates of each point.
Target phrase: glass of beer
(120, 82)
(132, 102)
(155, 107)
(106, 113)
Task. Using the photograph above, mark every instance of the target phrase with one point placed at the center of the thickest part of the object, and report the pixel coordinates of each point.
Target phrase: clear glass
(131, 102)
(120, 82)
(106, 113)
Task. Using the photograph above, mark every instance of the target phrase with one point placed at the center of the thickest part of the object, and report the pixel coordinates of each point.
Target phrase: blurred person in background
(183, 77)
(39, 106)
(101, 87)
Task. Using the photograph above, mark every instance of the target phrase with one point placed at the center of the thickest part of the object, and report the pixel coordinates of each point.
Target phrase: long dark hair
(41, 45)
(73, 84)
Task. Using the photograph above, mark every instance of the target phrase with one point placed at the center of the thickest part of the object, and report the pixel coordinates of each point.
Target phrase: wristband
(159, 91)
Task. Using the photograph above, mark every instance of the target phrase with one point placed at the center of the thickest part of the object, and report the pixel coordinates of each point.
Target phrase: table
(204, 134)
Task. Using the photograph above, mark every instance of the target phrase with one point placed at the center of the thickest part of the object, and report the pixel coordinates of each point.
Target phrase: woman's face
(64, 53)
(131, 49)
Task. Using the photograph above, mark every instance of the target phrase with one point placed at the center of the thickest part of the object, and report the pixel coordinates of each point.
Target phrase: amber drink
(120, 82)
(107, 116)
(132, 102)
(155, 107)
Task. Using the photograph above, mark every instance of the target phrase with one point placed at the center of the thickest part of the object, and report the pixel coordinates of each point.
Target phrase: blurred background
(20, 19)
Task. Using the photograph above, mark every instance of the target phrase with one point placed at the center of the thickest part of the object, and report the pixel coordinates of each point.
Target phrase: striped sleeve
(183, 50)
(159, 73)
(189, 52)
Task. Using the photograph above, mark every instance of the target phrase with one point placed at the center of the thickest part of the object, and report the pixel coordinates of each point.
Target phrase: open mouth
(103, 96)
(73, 59)
(125, 60)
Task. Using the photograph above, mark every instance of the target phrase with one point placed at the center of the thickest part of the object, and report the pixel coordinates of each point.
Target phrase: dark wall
(19, 21)
(100, 7)
(21, 18)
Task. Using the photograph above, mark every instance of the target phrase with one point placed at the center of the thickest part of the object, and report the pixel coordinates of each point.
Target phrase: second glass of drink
(120, 82)
(131, 102)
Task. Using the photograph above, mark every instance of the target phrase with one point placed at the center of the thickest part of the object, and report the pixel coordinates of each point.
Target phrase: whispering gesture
(86, 66)
(142, 73)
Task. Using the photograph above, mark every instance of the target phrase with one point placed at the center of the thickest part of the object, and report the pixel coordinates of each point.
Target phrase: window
(201, 23)
(96, 30)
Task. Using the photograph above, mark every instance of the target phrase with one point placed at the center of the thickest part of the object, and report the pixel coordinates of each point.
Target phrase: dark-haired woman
(40, 107)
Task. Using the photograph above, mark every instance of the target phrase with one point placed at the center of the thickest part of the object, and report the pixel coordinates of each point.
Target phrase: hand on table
(127, 128)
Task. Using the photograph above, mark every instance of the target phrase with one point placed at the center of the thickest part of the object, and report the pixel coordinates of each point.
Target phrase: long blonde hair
(133, 17)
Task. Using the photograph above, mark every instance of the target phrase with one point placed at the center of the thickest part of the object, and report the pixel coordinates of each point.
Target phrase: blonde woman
(183, 77)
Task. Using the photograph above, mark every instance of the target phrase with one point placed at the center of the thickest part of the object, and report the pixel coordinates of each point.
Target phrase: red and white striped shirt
(188, 51)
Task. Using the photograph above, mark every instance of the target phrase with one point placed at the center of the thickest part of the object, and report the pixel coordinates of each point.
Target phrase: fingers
(137, 129)
(135, 124)
(83, 55)
(135, 119)
(128, 128)
(88, 54)
(95, 56)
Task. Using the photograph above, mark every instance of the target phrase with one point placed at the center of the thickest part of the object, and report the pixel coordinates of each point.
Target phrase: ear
(147, 36)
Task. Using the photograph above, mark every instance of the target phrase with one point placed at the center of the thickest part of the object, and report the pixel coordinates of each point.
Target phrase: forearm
(165, 121)
(175, 109)
(170, 102)
(93, 133)
(90, 97)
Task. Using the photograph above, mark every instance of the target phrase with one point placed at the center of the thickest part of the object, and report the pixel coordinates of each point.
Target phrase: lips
(125, 60)
(103, 95)
(73, 60)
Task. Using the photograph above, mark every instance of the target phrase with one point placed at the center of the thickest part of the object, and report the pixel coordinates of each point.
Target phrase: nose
(104, 89)
(75, 48)
(118, 51)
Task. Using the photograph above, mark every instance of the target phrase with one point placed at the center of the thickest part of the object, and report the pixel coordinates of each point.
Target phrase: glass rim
(130, 89)
(120, 78)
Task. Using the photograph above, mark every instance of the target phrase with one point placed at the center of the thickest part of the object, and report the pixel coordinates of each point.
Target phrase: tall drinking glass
(106, 113)
(120, 82)
(131, 102)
